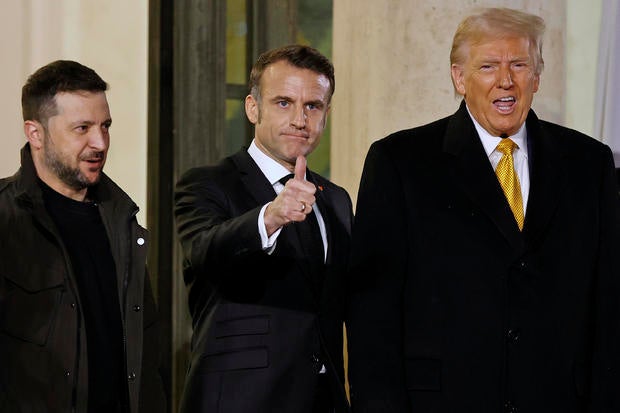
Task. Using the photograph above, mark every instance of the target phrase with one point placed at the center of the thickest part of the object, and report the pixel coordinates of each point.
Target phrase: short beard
(72, 177)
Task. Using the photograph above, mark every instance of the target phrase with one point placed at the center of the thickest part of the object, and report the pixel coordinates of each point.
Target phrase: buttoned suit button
(513, 334)
(315, 359)
(137, 308)
(316, 363)
(509, 407)
(131, 376)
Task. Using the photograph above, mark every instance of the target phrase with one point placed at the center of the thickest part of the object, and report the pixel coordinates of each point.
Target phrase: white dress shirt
(273, 171)
(519, 156)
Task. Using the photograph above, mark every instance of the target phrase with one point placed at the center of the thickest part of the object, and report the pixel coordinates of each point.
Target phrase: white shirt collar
(490, 142)
(272, 170)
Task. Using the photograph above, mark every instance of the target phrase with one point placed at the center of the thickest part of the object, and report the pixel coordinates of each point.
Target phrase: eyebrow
(281, 97)
(108, 121)
(499, 59)
(315, 102)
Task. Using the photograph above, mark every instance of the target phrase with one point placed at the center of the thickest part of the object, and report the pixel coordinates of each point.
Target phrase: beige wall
(110, 37)
(12, 45)
(583, 22)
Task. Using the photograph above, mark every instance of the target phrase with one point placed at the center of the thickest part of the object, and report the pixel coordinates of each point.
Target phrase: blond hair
(499, 22)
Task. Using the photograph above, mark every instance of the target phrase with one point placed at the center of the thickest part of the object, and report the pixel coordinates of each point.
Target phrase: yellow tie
(509, 180)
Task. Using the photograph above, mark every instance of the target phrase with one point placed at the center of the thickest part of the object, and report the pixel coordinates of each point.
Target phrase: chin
(91, 179)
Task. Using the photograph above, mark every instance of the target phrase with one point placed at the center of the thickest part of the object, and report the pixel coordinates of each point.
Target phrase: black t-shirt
(86, 240)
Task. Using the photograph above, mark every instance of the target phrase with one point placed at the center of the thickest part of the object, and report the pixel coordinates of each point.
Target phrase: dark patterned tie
(309, 234)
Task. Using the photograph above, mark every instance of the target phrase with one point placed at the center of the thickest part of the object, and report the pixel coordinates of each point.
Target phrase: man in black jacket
(75, 298)
(265, 256)
(485, 267)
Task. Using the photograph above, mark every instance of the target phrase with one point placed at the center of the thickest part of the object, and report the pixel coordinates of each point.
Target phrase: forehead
(283, 78)
(512, 46)
(82, 102)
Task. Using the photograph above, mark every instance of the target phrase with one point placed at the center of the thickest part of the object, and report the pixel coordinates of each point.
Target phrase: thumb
(300, 168)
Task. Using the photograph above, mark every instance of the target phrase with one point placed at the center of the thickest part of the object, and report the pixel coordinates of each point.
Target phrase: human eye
(520, 65)
(282, 103)
(81, 128)
(315, 105)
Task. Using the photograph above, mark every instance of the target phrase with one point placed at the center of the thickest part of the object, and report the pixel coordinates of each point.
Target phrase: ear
(536, 83)
(458, 78)
(251, 109)
(327, 112)
(35, 133)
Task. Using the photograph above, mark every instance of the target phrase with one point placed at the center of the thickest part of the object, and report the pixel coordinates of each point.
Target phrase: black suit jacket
(454, 309)
(263, 328)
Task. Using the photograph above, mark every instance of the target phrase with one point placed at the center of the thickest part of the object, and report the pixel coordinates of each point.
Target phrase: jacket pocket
(423, 374)
(253, 325)
(29, 315)
(238, 359)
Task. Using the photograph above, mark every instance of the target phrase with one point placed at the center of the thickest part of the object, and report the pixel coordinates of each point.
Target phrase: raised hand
(295, 201)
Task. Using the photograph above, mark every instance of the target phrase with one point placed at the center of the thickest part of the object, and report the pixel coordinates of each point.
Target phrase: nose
(299, 117)
(99, 138)
(505, 78)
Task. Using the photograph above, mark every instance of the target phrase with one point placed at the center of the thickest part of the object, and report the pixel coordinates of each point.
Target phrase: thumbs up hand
(294, 202)
(300, 168)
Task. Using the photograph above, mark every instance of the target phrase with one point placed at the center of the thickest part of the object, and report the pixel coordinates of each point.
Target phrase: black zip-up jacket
(43, 352)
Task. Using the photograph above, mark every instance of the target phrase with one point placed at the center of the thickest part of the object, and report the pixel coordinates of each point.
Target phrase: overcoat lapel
(472, 171)
(546, 170)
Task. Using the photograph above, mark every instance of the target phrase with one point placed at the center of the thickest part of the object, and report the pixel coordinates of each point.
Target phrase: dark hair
(304, 57)
(60, 76)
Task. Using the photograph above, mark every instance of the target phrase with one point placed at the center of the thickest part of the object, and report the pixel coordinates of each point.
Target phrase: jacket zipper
(123, 299)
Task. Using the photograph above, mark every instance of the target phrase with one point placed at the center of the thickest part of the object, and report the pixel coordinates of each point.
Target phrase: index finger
(300, 168)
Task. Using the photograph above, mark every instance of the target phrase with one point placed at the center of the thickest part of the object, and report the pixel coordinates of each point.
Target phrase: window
(254, 26)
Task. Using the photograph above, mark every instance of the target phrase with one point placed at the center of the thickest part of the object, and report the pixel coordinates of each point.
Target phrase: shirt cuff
(268, 243)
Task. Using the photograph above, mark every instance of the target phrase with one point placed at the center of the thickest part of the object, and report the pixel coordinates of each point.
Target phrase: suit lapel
(471, 169)
(546, 169)
(259, 187)
(253, 178)
(262, 191)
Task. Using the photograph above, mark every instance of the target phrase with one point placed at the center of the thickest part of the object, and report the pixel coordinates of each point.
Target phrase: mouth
(298, 135)
(95, 160)
(505, 104)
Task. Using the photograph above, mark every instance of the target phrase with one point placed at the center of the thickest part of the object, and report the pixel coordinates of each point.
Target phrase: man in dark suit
(265, 256)
(477, 292)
